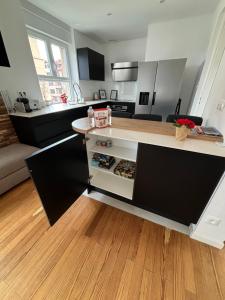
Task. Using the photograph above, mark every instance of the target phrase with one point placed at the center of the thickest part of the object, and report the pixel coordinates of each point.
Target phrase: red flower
(185, 122)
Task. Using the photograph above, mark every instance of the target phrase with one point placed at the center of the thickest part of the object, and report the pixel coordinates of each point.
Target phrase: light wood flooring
(98, 252)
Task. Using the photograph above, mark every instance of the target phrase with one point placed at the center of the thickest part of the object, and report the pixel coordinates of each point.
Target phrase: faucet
(81, 99)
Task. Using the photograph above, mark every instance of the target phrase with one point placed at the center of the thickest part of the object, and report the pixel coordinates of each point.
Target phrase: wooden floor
(99, 252)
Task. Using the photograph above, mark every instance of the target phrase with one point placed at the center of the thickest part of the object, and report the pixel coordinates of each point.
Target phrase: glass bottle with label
(109, 115)
(91, 118)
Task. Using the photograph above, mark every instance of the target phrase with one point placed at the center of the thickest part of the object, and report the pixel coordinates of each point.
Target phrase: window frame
(53, 77)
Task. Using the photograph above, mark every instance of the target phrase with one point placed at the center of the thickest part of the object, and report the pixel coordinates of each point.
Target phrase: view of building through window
(51, 65)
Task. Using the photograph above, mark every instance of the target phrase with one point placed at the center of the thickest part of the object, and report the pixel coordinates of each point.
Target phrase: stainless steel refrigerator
(159, 86)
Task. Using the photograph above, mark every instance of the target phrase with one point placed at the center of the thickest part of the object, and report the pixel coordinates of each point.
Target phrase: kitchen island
(174, 180)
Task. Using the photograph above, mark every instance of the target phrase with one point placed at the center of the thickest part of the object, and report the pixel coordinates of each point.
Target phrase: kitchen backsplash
(126, 90)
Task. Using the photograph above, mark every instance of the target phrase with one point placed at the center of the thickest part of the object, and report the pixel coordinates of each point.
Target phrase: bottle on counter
(91, 118)
(109, 115)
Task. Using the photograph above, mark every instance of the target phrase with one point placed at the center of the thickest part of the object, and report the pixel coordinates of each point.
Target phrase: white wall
(36, 18)
(208, 233)
(130, 50)
(214, 235)
(212, 115)
(212, 62)
(183, 38)
(22, 75)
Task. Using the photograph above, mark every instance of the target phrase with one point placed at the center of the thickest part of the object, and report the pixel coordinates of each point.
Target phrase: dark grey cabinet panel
(91, 64)
(60, 174)
(175, 184)
(4, 61)
(44, 130)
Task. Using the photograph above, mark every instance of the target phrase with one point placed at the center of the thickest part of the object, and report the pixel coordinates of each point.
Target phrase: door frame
(214, 58)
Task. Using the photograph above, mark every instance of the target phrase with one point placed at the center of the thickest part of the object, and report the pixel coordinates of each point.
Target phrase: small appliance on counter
(22, 103)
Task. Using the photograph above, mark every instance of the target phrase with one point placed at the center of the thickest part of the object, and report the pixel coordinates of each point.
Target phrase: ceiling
(129, 18)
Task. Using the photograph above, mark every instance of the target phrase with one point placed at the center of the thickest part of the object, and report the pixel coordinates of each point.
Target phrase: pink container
(101, 117)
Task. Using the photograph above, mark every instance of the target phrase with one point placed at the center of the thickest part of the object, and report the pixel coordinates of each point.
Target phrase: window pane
(60, 61)
(52, 90)
(40, 56)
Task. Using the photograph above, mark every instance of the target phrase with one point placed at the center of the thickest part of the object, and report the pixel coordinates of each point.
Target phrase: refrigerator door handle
(177, 110)
(153, 98)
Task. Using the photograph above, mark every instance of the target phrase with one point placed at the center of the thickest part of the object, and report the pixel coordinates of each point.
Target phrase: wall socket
(221, 106)
(213, 220)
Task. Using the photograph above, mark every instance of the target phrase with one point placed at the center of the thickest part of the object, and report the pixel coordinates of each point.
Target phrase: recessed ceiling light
(109, 14)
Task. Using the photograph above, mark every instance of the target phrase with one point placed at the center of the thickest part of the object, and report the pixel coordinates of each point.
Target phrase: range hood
(124, 71)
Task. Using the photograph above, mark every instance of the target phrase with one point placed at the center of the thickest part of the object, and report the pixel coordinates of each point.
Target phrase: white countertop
(55, 108)
(199, 146)
(61, 107)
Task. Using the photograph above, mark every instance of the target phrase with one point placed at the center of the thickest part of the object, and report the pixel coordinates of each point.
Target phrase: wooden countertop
(82, 126)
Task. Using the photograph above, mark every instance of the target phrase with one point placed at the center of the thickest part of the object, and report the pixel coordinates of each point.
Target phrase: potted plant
(183, 127)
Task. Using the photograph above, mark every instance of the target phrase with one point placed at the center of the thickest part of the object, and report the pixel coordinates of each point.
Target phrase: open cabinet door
(60, 174)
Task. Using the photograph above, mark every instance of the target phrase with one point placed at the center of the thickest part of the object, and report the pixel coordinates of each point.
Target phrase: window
(52, 66)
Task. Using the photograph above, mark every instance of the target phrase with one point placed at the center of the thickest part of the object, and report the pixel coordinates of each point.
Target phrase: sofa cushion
(12, 158)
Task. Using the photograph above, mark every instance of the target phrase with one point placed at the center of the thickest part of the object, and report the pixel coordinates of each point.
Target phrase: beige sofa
(13, 168)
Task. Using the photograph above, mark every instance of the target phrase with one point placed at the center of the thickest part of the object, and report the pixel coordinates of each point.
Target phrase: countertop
(56, 108)
(62, 107)
(154, 133)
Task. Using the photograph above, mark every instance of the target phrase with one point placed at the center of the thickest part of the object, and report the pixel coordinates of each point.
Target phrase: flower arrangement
(64, 98)
(183, 127)
(184, 122)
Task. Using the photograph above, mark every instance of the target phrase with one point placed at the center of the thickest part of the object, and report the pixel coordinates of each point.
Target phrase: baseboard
(170, 224)
(205, 240)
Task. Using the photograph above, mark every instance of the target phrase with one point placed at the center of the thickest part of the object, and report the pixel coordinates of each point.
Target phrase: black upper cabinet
(91, 64)
(4, 62)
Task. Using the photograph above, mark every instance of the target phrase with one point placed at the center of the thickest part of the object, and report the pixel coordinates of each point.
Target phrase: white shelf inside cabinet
(113, 184)
(116, 151)
(110, 171)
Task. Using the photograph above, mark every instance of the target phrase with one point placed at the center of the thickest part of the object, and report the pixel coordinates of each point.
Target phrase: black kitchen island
(173, 179)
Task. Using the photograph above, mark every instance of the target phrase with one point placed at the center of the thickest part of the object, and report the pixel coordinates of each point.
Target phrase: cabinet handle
(153, 98)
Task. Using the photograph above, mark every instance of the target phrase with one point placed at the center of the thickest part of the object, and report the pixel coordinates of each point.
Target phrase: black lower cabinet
(43, 130)
(175, 184)
(172, 183)
(60, 174)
